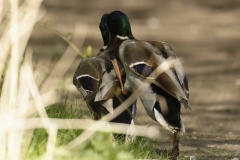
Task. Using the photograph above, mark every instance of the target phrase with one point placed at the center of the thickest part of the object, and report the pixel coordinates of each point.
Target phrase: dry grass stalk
(20, 92)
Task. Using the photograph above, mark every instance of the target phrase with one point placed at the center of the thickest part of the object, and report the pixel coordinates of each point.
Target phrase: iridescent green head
(118, 24)
(104, 29)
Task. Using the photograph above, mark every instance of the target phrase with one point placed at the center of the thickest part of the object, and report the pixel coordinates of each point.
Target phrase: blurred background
(204, 34)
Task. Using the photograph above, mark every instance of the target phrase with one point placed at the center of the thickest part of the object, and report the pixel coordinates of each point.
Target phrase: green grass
(39, 141)
(100, 146)
(140, 147)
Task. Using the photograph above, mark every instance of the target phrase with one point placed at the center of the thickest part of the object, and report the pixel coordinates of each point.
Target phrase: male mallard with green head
(162, 99)
(96, 81)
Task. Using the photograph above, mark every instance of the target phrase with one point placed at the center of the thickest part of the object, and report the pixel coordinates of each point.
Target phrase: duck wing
(143, 57)
(162, 99)
(178, 70)
(95, 83)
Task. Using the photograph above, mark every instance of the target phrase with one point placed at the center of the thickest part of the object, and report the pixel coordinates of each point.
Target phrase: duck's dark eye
(89, 83)
(143, 69)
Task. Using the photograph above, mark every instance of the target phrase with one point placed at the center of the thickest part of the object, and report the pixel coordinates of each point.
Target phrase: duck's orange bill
(119, 76)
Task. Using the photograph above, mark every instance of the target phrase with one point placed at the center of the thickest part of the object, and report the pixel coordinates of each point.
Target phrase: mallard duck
(162, 99)
(96, 80)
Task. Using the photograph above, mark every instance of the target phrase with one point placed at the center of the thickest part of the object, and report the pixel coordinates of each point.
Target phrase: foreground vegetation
(25, 90)
(100, 146)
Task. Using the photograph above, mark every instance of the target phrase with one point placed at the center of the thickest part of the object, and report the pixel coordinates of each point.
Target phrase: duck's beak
(119, 75)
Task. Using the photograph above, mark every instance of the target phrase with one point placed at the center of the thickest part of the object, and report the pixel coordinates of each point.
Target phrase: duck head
(104, 30)
(119, 25)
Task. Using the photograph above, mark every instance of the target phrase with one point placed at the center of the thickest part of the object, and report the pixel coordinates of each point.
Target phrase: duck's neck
(115, 41)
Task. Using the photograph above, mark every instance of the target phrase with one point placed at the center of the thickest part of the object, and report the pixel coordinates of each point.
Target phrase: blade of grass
(32, 123)
(66, 39)
(52, 136)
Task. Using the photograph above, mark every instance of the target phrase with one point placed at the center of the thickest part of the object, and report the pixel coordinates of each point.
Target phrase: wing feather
(173, 80)
(99, 99)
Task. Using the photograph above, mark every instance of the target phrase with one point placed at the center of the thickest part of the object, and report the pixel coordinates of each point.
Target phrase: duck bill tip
(124, 92)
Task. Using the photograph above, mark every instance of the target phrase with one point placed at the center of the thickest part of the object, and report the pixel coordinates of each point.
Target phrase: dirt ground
(205, 34)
